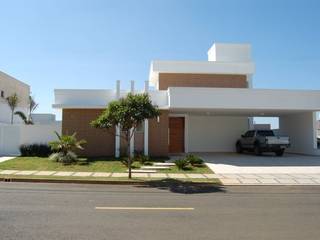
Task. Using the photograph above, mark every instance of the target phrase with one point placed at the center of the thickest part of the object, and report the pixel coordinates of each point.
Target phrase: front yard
(86, 165)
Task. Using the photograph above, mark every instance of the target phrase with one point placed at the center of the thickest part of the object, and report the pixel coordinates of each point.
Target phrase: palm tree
(12, 101)
(32, 106)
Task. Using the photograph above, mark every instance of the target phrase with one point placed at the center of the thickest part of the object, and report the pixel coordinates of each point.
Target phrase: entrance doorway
(176, 134)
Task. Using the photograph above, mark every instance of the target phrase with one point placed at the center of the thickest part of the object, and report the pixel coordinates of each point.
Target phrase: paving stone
(101, 174)
(230, 175)
(82, 174)
(194, 175)
(300, 175)
(63, 174)
(142, 175)
(249, 181)
(315, 176)
(142, 171)
(317, 180)
(305, 181)
(265, 176)
(176, 175)
(119, 175)
(230, 181)
(248, 175)
(212, 175)
(286, 180)
(163, 164)
(26, 173)
(44, 173)
(268, 181)
(8, 172)
(286, 176)
(158, 175)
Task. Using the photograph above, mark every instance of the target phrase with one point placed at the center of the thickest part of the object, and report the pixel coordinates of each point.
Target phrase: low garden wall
(12, 136)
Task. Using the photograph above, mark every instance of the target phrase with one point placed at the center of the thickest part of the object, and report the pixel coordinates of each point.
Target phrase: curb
(116, 182)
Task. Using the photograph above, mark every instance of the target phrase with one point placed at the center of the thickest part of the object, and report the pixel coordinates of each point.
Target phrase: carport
(216, 117)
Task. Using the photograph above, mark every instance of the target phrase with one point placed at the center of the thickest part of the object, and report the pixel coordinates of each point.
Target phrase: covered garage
(215, 117)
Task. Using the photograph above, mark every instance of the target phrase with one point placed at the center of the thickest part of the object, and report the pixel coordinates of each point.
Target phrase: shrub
(194, 160)
(142, 159)
(64, 147)
(181, 163)
(35, 150)
(66, 158)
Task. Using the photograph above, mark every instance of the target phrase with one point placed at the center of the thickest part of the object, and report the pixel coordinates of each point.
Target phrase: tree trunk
(11, 117)
(129, 155)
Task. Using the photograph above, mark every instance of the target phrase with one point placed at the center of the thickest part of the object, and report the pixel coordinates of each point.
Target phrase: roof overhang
(244, 102)
(205, 67)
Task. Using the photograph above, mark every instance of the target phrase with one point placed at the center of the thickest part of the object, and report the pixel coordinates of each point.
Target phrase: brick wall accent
(100, 142)
(158, 135)
(201, 80)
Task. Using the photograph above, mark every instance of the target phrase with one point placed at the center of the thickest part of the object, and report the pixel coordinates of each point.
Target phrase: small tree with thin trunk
(32, 106)
(12, 101)
(128, 113)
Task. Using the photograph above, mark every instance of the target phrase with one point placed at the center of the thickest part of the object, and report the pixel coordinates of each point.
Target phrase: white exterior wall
(214, 134)
(12, 136)
(9, 86)
(301, 128)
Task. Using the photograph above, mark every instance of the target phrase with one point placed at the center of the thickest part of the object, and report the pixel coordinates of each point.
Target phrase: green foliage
(194, 160)
(12, 102)
(66, 158)
(28, 119)
(142, 159)
(181, 163)
(64, 147)
(128, 113)
(35, 150)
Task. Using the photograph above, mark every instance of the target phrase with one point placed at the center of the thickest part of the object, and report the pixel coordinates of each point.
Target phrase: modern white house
(9, 86)
(205, 106)
(13, 135)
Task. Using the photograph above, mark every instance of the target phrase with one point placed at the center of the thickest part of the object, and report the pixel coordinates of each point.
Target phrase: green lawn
(84, 165)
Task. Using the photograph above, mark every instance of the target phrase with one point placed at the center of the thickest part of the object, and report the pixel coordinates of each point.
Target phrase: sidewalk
(107, 175)
(268, 179)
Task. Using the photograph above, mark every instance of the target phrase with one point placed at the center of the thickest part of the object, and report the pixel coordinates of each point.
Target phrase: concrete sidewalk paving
(106, 174)
(3, 159)
(269, 179)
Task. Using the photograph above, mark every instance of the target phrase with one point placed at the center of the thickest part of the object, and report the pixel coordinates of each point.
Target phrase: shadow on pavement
(177, 186)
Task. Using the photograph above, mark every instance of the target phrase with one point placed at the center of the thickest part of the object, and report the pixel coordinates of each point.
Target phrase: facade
(9, 86)
(205, 106)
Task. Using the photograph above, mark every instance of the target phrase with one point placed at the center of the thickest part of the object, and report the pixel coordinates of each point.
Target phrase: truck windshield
(266, 133)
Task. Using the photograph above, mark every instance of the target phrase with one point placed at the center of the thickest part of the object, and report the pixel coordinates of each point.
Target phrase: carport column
(118, 132)
(132, 138)
(249, 84)
(146, 125)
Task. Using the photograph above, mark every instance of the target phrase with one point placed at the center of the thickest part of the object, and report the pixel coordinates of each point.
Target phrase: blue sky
(90, 44)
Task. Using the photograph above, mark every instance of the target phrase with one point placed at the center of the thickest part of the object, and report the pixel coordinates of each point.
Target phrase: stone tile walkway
(106, 174)
(269, 179)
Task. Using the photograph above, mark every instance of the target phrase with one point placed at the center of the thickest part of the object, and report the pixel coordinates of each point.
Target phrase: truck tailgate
(278, 140)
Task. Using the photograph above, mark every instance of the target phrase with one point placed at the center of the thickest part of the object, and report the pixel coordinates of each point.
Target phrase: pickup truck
(259, 141)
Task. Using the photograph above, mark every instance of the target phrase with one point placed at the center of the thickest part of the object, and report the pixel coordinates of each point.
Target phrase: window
(249, 134)
(2, 94)
(265, 133)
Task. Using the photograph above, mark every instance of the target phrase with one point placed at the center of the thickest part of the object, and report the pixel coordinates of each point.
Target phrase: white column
(132, 138)
(250, 119)
(118, 132)
(146, 125)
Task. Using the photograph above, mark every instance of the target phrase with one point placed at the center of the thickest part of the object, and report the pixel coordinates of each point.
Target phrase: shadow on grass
(177, 186)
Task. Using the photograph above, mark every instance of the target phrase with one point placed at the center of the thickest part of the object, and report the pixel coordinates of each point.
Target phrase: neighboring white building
(205, 107)
(9, 86)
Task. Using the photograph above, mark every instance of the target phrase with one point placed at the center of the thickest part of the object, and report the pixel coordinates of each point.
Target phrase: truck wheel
(257, 150)
(239, 147)
(280, 152)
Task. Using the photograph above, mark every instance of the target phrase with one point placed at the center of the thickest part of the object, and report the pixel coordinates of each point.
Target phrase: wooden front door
(176, 134)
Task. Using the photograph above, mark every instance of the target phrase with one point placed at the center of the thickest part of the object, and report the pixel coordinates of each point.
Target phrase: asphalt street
(157, 211)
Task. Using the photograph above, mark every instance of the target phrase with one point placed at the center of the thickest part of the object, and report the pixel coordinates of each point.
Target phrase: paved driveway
(291, 169)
